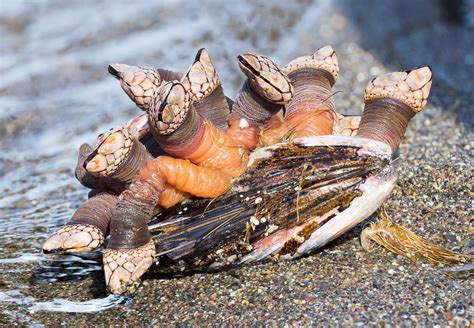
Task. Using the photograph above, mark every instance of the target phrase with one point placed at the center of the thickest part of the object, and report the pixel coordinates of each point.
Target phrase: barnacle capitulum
(140, 83)
(123, 269)
(87, 228)
(346, 125)
(266, 78)
(111, 150)
(204, 86)
(169, 108)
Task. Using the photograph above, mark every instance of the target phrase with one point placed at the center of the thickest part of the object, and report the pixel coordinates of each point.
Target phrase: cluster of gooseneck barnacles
(201, 181)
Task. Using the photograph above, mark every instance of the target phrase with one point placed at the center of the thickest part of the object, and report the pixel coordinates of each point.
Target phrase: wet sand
(55, 93)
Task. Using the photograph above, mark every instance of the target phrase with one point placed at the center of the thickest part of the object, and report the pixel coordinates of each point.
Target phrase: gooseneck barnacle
(277, 172)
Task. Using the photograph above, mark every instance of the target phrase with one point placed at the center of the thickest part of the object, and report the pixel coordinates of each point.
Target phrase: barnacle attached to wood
(202, 182)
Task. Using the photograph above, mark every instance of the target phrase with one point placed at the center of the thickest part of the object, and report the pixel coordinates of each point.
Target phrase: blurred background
(55, 92)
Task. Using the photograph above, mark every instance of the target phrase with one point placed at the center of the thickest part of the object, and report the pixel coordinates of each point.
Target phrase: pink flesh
(138, 126)
(282, 236)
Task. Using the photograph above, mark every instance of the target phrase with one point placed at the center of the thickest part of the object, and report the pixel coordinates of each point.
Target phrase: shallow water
(63, 305)
(55, 93)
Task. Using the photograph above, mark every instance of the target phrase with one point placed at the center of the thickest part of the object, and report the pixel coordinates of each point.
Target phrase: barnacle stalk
(117, 155)
(264, 93)
(311, 112)
(87, 228)
(391, 100)
(202, 82)
(89, 225)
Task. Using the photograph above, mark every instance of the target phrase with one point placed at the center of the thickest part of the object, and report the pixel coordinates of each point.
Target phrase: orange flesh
(187, 177)
(217, 150)
(314, 123)
(244, 136)
(302, 123)
(275, 131)
(215, 158)
(171, 196)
